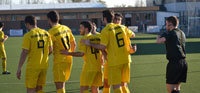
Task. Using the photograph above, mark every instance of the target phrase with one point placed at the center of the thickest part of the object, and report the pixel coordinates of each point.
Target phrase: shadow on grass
(147, 38)
(67, 91)
(153, 48)
(158, 75)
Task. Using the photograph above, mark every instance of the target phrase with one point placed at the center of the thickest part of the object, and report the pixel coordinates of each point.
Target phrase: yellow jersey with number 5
(92, 57)
(61, 36)
(37, 42)
(114, 37)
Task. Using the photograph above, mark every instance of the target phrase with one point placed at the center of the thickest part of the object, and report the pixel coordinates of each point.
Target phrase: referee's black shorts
(176, 71)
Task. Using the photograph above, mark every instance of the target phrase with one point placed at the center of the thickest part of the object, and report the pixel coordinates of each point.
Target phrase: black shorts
(176, 71)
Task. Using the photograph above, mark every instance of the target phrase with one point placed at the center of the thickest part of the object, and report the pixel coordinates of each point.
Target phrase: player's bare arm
(5, 38)
(133, 35)
(96, 46)
(75, 54)
(160, 39)
(73, 45)
(24, 54)
(104, 53)
(133, 49)
(50, 50)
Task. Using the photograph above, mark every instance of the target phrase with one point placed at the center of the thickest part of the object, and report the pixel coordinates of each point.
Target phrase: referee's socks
(174, 91)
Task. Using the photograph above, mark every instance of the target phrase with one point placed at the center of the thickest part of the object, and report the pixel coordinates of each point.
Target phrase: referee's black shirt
(175, 44)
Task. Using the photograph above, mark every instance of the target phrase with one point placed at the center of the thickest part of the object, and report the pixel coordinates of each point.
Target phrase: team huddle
(106, 55)
(111, 48)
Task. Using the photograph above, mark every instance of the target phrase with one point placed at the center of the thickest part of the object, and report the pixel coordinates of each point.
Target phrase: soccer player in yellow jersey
(94, 32)
(3, 38)
(63, 39)
(114, 40)
(37, 45)
(91, 75)
(118, 20)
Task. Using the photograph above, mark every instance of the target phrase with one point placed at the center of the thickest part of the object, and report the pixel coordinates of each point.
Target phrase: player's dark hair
(174, 20)
(109, 15)
(53, 16)
(1, 24)
(31, 20)
(118, 14)
(87, 24)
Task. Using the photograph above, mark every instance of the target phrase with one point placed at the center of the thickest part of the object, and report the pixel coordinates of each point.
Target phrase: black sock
(174, 91)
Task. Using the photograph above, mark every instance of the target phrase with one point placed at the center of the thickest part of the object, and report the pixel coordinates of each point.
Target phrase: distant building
(144, 19)
(72, 14)
(189, 11)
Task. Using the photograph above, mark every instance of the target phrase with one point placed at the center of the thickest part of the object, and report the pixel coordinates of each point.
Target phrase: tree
(61, 1)
(88, 0)
(122, 5)
(76, 0)
(139, 3)
(4, 2)
(102, 2)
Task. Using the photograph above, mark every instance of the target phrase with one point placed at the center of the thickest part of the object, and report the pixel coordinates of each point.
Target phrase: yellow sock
(4, 65)
(86, 91)
(62, 90)
(118, 90)
(106, 90)
(125, 89)
(40, 91)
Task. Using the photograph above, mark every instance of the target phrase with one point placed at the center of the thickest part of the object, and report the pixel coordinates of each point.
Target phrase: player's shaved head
(30, 20)
(53, 16)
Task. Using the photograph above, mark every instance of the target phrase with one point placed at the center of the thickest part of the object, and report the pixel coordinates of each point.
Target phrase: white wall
(160, 21)
(162, 15)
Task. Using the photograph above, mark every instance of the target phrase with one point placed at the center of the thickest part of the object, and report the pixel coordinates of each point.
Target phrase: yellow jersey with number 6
(37, 42)
(114, 37)
(61, 36)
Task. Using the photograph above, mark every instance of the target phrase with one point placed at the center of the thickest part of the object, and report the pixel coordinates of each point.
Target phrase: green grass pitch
(147, 69)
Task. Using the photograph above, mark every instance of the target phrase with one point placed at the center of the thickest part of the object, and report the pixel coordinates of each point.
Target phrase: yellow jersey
(62, 37)
(128, 31)
(92, 57)
(114, 37)
(129, 34)
(37, 41)
(1, 38)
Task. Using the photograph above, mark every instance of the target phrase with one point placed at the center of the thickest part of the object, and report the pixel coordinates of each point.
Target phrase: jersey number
(119, 40)
(94, 51)
(41, 44)
(63, 42)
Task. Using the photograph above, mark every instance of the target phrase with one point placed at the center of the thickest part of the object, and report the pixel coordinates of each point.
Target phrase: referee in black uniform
(174, 40)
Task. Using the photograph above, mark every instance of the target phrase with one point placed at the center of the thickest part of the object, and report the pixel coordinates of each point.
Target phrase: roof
(79, 10)
(52, 6)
